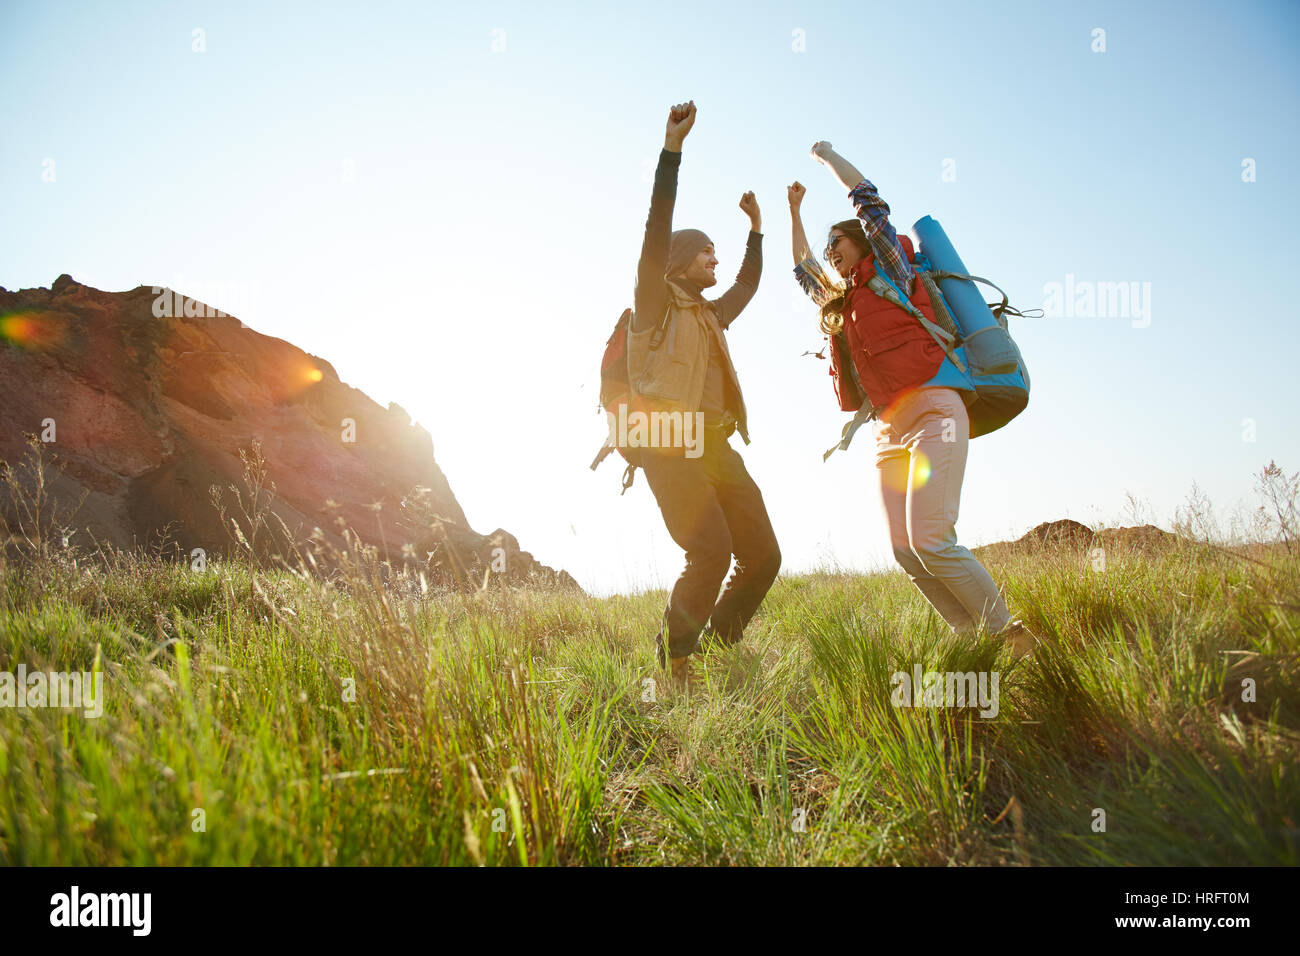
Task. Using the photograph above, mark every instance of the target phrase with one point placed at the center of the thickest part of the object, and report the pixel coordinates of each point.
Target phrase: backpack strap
(866, 413)
(629, 473)
(1002, 309)
(657, 339)
(884, 287)
(997, 310)
(942, 314)
(601, 455)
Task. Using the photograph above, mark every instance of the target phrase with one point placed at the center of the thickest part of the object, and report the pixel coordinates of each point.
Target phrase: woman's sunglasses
(830, 246)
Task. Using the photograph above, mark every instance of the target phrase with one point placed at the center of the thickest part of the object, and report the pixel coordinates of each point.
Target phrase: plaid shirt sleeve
(815, 282)
(874, 214)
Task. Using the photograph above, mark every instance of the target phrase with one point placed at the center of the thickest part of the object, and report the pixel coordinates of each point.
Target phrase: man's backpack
(615, 390)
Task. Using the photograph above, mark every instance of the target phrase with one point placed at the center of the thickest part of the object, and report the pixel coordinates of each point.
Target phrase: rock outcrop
(147, 399)
(1067, 534)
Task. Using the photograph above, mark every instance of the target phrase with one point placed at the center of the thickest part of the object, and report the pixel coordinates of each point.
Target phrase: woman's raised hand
(821, 151)
(795, 193)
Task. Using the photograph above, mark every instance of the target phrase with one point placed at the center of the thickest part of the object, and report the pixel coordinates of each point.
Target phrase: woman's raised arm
(814, 281)
(844, 171)
(873, 213)
(795, 193)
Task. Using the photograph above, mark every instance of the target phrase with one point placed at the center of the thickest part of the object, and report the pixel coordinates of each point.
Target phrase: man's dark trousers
(712, 509)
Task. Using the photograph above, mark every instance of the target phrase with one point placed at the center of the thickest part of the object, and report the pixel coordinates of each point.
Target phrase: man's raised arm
(650, 297)
(733, 301)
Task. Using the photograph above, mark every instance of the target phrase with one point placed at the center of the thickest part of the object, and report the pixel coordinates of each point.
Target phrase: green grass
(518, 727)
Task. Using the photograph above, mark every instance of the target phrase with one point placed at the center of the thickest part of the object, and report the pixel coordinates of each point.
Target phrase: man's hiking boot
(685, 677)
(680, 669)
(712, 642)
(1021, 639)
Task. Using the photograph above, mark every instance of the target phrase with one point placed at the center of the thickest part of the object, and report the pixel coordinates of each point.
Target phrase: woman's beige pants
(921, 456)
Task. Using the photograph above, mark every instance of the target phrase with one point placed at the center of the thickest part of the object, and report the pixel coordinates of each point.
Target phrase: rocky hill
(1072, 535)
(146, 399)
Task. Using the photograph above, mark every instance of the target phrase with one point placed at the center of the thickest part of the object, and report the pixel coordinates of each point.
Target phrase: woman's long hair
(834, 289)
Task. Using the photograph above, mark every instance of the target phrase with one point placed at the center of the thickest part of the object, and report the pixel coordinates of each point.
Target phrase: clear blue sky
(456, 228)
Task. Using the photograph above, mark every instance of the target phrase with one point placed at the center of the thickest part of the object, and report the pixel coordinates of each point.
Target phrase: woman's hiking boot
(1021, 639)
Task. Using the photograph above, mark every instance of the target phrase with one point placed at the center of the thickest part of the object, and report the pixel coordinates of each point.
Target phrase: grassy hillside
(518, 727)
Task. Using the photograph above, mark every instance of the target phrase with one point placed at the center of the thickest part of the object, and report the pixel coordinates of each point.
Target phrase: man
(678, 361)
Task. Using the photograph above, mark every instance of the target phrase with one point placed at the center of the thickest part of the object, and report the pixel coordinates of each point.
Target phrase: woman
(882, 355)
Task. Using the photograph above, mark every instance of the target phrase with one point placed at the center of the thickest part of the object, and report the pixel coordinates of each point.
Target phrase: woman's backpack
(972, 333)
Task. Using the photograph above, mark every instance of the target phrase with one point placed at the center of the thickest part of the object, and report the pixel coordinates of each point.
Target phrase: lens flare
(920, 469)
(916, 475)
(300, 378)
(31, 330)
